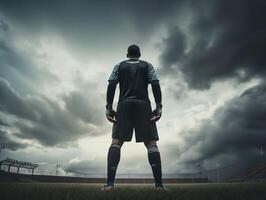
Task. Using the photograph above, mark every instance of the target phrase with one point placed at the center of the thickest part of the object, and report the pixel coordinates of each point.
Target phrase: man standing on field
(134, 112)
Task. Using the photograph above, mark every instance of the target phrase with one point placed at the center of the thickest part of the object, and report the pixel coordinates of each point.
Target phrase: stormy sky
(56, 57)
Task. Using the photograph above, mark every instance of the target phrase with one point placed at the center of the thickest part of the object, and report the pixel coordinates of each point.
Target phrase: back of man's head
(133, 51)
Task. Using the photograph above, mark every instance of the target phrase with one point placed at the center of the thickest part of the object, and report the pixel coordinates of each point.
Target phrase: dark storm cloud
(12, 103)
(174, 49)
(90, 15)
(9, 143)
(3, 123)
(227, 40)
(146, 15)
(46, 121)
(90, 26)
(235, 134)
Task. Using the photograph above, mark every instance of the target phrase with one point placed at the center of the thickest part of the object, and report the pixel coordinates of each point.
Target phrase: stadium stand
(14, 177)
(18, 164)
(253, 174)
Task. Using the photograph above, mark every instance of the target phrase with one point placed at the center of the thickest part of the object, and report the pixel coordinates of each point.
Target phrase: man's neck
(133, 58)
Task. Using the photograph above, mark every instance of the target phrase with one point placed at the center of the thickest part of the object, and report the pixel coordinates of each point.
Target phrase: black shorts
(134, 113)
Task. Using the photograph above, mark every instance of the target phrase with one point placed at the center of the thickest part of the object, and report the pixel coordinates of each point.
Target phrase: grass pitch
(82, 191)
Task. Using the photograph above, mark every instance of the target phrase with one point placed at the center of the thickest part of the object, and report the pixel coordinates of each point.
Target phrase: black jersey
(133, 76)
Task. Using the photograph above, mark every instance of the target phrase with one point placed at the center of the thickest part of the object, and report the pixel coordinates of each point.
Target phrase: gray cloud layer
(85, 24)
(83, 106)
(44, 120)
(17, 66)
(38, 117)
(223, 40)
(216, 40)
(234, 135)
(7, 141)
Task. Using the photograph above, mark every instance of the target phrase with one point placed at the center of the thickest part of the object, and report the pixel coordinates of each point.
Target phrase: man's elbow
(112, 84)
(155, 83)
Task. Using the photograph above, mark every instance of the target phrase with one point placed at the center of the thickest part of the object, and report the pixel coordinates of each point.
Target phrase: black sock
(155, 162)
(113, 159)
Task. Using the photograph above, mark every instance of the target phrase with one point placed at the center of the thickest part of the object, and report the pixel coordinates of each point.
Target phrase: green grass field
(77, 191)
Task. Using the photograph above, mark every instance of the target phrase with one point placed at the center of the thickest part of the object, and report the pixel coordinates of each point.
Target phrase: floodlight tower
(57, 166)
(2, 146)
(261, 153)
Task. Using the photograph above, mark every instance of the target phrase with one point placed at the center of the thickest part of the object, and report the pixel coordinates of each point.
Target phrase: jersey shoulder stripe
(152, 76)
(115, 73)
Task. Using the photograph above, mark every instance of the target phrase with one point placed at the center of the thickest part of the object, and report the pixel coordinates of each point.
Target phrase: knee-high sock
(155, 162)
(113, 159)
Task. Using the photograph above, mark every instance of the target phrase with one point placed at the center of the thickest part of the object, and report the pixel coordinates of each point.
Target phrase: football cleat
(161, 189)
(107, 188)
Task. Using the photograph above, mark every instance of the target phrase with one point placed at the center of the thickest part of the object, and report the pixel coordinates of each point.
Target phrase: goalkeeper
(134, 112)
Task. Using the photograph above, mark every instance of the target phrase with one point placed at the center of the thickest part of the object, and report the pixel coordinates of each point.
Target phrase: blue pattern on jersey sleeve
(115, 74)
(152, 76)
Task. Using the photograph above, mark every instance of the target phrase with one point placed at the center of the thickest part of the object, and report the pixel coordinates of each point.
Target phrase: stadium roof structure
(19, 164)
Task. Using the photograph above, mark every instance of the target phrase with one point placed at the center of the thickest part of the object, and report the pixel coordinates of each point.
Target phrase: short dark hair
(133, 51)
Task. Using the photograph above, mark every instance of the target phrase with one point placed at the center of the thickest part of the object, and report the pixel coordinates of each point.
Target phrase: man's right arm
(110, 94)
(113, 80)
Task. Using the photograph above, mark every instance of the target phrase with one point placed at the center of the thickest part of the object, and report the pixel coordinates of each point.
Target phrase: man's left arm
(156, 89)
